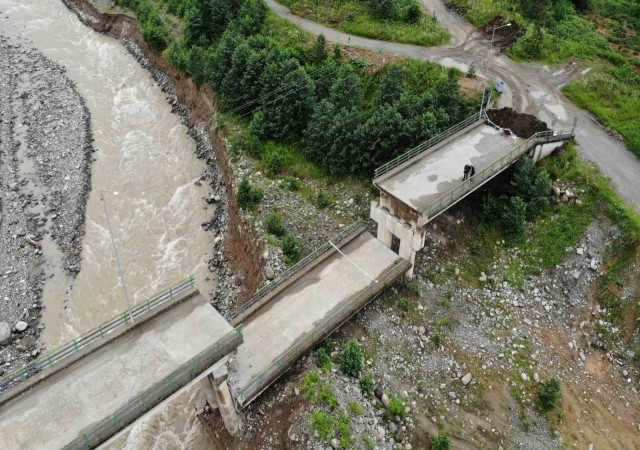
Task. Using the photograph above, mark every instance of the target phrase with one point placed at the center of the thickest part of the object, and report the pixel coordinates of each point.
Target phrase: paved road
(530, 88)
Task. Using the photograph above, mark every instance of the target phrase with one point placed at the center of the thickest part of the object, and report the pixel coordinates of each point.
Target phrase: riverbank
(45, 167)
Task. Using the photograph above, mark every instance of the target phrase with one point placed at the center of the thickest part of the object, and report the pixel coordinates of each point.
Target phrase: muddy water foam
(145, 161)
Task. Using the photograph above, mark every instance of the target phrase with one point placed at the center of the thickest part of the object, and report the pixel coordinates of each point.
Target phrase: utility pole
(488, 62)
(115, 250)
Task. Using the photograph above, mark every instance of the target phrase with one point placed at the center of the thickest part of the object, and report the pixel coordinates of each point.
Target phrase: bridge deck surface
(279, 326)
(55, 411)
(428, 177)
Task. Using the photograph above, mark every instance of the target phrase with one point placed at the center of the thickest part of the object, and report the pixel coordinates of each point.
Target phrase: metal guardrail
(153, 396)
(496, 167)
(296, 268)
(428, 144)
(96, 334)
(278, 366)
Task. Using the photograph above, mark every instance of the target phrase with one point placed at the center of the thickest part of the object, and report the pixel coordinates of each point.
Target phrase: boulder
(21, 325)
(5, 333)
(269, 273)
(466, 379)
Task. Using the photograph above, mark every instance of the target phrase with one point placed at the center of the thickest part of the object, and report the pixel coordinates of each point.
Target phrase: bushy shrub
(155, 36)
(290, 248)
(248, 196)
(275, 225)
(322, 199)
(509, 213)
(396, 406)
(549, 395)
(413, 14)
(403, 303)
(323, 424)
(366, 384)
(290, 183)
(441, 442)
(351, 358)
(253, 145)
(532, 185)
(322, 359)
(274, 165)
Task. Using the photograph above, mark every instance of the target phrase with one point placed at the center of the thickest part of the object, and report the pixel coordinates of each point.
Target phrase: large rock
(466, 379)
(5, 333)
(269, 273)
(21, 326)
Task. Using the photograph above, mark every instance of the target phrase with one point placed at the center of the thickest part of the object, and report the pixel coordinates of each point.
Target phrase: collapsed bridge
(98, 385)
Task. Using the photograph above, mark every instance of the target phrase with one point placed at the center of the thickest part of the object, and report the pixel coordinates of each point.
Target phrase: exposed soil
(45, 178)
(504, 37)
(522, 125)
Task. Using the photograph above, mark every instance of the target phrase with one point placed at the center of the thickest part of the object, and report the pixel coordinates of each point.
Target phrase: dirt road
(529, 87)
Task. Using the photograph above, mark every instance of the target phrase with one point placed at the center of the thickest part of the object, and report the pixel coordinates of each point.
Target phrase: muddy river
(146, 165)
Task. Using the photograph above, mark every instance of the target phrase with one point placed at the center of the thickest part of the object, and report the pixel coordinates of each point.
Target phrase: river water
(145, 162)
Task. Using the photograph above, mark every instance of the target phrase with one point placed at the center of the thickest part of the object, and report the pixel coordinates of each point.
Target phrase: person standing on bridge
(469, 171)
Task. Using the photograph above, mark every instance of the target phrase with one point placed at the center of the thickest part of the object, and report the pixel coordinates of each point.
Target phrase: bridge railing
(262, 293)
(147, 400)
(256, 384)
(54, 357)
(422, 148)
(493, 169)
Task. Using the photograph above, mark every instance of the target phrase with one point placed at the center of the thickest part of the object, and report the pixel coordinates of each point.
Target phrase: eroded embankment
(45, 177)
(242, 246)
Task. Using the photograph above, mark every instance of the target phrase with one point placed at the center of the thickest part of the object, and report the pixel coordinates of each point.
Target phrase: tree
(318, 52)
(250, 18)
(391, 85)
(248, 196)
(290, 248)
(223, 57)
(549, 395)
(351, 358)
(532, 185)
(413, 14)
(346, 91)
(207, 20)
(384, 9)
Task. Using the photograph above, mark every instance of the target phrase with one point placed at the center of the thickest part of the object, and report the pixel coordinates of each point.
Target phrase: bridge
(80, 395)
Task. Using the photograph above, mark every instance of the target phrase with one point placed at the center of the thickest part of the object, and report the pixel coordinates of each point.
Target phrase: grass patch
(355, 18)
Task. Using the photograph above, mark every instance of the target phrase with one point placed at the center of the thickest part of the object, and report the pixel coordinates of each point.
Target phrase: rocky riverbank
(45, 178)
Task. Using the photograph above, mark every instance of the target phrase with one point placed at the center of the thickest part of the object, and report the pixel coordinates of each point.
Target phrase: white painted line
(354, 264)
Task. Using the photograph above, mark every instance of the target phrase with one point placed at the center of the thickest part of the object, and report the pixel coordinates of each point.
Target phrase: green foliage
(366, 384)
(290, 183)
(369, 442)
(323, 424)
(355, 408)
(275, 225)
(388, 20)
(507, 213)
(317, 391)
(403, 303)
(396, 406)
(351, 358)
(322, 199)
(322, 359)
(274, 165)
(549, 395)
(248, 196)
(344, 431)
(291, 248)
(437, 339)
(253, 145)
(318, 53)
(154, 29)
(532, 185)
(441, 442)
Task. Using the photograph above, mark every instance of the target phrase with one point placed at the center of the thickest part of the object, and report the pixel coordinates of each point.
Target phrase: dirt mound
(522, 125)
(505, 36)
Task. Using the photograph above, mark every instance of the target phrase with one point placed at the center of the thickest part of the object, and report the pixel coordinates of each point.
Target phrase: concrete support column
(408, 253)
(217, 391)
(384, 235)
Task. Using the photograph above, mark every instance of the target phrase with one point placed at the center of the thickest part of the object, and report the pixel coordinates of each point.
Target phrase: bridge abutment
(410, 235)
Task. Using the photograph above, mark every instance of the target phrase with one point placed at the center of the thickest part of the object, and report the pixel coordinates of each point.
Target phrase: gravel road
(45, 177)
(530, 88)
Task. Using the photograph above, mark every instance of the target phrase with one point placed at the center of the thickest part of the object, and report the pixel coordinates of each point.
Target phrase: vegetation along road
(529, 87)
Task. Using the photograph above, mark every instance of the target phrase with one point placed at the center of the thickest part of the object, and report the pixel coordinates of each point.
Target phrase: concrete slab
(433, 175)
(54, 412)
(278, 326)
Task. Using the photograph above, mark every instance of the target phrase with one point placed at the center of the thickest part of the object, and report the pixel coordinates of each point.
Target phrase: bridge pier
(410, 235)
(217, 392)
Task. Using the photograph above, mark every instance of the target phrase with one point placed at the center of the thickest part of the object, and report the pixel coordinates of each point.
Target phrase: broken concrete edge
(428, 151)
(242, 317)
(277, 370)
(24, 386)
(97, 433)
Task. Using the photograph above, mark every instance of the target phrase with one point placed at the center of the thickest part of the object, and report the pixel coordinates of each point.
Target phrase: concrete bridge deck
(306, 311)
(430, 175)
(64, 405)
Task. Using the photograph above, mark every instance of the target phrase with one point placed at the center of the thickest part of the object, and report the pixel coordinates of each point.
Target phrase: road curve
(530, 88)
